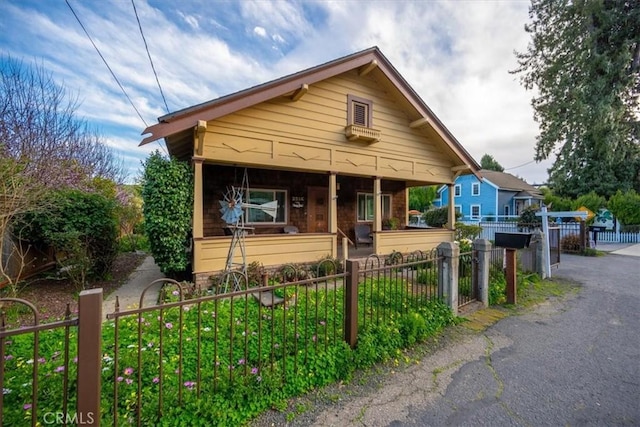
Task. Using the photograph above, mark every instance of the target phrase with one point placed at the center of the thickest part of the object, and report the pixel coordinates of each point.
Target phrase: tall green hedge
(167, 192)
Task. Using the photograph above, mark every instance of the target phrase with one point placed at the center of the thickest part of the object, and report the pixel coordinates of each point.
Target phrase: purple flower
(75, 359)
(26, 406)
(189, 384)
(241, 362)
(128, 371)
(254, 371)
(128, 381)
(119, 379)
(175, 293)
(60, 369)
(8, 357)
(42, 360)
(322, 323)
(156, 380)
(314, 338)
(168, 325)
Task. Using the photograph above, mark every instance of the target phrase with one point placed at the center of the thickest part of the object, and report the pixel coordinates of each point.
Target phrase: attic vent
(360, 114)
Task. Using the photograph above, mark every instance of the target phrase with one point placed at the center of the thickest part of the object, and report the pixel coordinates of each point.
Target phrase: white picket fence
(490, 228)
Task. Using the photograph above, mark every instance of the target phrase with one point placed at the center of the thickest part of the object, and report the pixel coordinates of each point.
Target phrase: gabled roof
(506, 181)
(186, 119)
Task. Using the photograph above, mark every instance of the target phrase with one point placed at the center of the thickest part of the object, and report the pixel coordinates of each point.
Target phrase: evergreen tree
(488, 162)
(584, 61)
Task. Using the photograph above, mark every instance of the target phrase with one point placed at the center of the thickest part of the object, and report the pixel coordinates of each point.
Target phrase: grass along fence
(218, 359)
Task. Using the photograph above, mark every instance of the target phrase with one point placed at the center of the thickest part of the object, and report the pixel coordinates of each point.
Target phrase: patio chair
(363, 234)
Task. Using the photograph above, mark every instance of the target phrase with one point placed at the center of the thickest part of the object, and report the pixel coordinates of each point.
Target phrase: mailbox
(597, 228)
(512, 240)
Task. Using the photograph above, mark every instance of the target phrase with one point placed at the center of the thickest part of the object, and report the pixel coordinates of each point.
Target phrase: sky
(456, 55)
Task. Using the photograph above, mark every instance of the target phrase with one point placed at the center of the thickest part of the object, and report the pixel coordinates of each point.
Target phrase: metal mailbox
(512, 240)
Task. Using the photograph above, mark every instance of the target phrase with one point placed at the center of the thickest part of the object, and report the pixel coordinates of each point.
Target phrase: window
(458, 209)
(365, 206)
(262, 196)
(457, 191)
(475, 211)
(506, 210)
(475, 189)
(359, 111)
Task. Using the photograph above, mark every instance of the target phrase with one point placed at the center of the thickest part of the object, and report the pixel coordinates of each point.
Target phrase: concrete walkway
(129, 293)
(631, 249)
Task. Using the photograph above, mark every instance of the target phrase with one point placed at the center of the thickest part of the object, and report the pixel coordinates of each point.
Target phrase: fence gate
(467, 278)
(554, 245)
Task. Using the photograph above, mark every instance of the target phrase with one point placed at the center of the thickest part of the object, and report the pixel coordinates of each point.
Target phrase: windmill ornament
(233, 209)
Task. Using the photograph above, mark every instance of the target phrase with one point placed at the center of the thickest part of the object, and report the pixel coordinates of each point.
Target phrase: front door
(317, 210)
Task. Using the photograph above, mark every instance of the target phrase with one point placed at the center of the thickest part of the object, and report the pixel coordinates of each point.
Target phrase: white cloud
(456, 55)
(260, 31)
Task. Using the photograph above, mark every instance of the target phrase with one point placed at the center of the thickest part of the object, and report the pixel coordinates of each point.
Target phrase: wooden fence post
(89, 356)
(351, 303)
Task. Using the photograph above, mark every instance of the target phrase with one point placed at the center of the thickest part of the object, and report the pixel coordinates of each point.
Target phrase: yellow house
(335, 146)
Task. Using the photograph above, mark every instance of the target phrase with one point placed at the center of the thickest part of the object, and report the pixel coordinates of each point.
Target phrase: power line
(105, 63)
(149, 55)
(519, 166)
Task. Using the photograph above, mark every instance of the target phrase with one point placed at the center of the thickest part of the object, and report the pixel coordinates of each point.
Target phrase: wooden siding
(309, 135)
(266, 249)
(406, 241)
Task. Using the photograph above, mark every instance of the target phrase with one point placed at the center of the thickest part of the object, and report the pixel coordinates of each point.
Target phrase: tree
(488, 162)
(421, 198)
(43, 146)
(626, 207)
(584, 60)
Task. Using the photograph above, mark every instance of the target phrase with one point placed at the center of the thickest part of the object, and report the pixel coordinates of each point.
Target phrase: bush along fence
(207, 358)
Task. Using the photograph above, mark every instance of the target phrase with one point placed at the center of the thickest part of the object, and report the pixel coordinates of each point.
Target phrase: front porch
(316, 217)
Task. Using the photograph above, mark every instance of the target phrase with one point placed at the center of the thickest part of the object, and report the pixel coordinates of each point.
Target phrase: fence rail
(150, 360)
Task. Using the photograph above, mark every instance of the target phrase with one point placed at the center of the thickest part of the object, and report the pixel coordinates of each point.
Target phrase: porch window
(365, 206)
(262, 196)
(475, 189)
(475, 211)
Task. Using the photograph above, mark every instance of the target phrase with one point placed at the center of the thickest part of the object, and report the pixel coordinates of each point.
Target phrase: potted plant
(390, 223)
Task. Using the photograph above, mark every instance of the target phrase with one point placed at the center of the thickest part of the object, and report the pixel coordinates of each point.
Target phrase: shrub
(570, 243)
(626, 207)
(528, 218)
(464, 231)
(80, 226)
(438, 217)
(167, 191)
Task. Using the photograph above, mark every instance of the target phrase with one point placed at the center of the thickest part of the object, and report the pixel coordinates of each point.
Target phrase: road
(576, 364)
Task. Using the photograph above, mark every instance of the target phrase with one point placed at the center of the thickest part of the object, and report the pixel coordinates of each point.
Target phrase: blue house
(498, 196)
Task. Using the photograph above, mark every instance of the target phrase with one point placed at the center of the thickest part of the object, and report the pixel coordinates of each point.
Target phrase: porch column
(333, 211)
(451, 223)
(377, 204)
(198, 228)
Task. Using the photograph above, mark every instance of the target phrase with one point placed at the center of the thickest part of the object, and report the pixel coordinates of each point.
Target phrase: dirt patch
(50, 294)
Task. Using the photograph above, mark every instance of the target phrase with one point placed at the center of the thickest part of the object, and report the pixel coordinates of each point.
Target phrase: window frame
(351, 101)
(366, 194)
(457, 190)
(275, 220)
(475, 186)
(479, 211)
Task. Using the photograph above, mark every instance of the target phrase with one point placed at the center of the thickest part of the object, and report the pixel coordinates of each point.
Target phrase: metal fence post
(449, 255)
(89, 356)
(482, 247)
(351, 303)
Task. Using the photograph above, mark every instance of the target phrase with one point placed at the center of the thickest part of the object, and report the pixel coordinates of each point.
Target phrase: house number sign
(297, 201)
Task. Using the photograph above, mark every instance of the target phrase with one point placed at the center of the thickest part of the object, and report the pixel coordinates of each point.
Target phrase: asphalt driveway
(573, 361)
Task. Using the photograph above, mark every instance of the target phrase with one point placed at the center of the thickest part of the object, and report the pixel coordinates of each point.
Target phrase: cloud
(260, 31)
(455, 55)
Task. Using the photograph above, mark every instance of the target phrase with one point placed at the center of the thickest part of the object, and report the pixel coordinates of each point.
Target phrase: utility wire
(105, 63)
(519, 166)
(149, 55)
